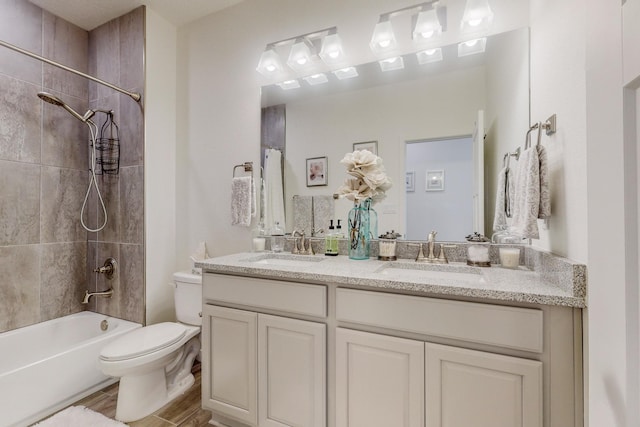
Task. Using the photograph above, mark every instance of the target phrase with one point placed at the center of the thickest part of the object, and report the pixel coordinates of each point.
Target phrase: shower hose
(93, 128)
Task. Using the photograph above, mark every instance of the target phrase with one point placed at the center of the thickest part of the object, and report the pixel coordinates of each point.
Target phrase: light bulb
(301, 61)
(334, 54)
(475, 22)
(427, 34)
(471, 43)
(271, 68)
(430, 51)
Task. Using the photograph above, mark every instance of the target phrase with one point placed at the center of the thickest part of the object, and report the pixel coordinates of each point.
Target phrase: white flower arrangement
(369, 177)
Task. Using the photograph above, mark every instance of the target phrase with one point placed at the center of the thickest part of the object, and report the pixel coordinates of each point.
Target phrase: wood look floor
(184, 411)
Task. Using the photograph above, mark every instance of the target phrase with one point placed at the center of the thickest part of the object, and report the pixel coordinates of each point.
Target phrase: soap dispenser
(331, 241)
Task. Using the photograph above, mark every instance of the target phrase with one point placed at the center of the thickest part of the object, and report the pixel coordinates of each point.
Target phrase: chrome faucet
(431, 249)
(431, 243)
(104, 294)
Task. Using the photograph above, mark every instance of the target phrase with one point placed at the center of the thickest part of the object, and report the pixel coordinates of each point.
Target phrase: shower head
(54, 100)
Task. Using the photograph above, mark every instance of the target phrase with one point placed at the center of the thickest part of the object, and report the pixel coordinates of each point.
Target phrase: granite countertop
(542, 279)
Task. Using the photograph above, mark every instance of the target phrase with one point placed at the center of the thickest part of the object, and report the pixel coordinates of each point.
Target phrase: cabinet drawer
(297, 298)
(510, 327)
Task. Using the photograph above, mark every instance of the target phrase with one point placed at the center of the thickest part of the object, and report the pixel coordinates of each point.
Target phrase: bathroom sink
(433, 273)
(284, 260)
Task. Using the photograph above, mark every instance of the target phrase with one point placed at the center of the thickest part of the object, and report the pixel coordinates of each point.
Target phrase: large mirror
(435, 102)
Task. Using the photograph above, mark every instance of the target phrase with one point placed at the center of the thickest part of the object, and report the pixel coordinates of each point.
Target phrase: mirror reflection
(422, 103)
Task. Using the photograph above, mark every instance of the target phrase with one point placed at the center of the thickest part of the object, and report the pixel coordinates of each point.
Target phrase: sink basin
(430, 273)
(284, 260)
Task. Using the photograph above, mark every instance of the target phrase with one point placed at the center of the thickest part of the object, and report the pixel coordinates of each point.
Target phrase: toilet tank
(188, 297)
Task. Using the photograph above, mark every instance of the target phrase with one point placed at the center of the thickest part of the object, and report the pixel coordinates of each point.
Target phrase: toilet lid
(143, 341)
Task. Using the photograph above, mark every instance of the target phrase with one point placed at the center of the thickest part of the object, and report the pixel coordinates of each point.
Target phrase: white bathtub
(47, 366)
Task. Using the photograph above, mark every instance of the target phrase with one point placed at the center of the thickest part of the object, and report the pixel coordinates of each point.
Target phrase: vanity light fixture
(300, 55)
(316, 79)
(477, 16)
(383, 40)
(428, 26)
(346, 73)
(289, 84)
(429, 55)
(390, 64)
(331, 52)
(269, 64)
(472, 47)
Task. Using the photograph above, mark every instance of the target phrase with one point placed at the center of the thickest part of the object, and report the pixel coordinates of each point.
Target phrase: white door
(478, 174)
(229, 378)
(379, 380)
(472, 388)
(291, 372)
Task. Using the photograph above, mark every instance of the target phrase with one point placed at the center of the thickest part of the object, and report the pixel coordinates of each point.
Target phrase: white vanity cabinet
(260, 369)
(282, 353)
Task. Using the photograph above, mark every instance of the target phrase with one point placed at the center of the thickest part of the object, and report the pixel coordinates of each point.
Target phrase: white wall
(160, 167)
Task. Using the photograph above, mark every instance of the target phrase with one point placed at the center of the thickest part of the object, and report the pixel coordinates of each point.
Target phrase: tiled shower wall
(116, 55)
(44, 251)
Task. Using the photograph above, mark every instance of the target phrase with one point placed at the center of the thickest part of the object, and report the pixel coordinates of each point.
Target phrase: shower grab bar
(135, 96)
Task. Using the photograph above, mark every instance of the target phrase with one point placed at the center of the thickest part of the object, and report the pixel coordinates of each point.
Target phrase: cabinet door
(229, 379)
(291, 372)
(379, 380)
(473, 388)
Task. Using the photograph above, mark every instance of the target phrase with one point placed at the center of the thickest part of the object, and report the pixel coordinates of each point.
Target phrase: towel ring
(248, 167)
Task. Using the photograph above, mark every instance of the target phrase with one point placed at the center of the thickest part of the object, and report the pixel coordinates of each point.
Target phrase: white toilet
(154, 362)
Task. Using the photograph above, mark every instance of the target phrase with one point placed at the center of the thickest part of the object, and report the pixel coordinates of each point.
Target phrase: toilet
(154, 362)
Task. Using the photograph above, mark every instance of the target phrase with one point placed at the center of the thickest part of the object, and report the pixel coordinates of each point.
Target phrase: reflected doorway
(439, 188)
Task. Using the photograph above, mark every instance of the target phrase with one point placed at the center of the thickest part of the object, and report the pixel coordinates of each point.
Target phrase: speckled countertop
(542, 278)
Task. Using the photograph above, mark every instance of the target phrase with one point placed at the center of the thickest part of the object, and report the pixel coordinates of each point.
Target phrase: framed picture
(435, 180)
(370, 145)
(316, 171)
(410, 181)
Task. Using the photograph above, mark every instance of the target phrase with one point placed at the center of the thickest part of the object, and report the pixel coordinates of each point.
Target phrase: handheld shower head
(54, 100)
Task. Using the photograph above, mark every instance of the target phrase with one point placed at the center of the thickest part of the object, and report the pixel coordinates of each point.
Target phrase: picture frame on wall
(371, 146)
(410, 182)
(316, 171)
(435, 180)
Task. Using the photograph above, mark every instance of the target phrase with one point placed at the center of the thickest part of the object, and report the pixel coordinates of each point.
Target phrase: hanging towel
(274, 190)
(526, 202)
(242, 200)
(545, 197)
(503, 200)
(302, 213)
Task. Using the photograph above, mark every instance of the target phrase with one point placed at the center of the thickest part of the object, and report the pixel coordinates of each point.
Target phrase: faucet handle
(442, 256)
(310, 248)
(420, 257)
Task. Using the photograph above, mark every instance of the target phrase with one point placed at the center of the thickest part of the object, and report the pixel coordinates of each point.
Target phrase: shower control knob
(108, 269)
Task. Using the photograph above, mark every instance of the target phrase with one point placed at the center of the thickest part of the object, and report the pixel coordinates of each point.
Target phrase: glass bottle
(277, 238)
(258, 238)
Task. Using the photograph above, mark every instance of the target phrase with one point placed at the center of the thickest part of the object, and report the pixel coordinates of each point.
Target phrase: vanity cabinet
(284, 353)
(419, 383)
(260, 369)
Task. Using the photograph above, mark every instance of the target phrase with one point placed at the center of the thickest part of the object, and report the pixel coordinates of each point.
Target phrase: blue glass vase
(363, 226)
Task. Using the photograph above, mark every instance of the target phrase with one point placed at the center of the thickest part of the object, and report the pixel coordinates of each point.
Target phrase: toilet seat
(143, 341)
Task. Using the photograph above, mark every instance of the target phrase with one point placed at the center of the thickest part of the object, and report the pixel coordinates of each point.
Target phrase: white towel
(526, 200)
(545, 196)
(274, 193)
(242, 200)
(503, 207)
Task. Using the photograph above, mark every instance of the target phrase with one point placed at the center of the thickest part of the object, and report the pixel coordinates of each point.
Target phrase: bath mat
(79, 416)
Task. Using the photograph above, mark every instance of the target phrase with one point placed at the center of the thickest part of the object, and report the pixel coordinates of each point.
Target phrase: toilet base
(142, 395)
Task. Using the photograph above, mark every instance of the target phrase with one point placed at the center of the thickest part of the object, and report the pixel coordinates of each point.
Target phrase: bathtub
(50, 365)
